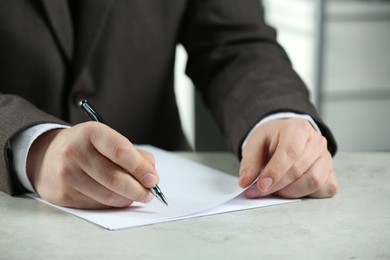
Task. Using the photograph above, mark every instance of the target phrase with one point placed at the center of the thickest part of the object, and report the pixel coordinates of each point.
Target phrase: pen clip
(91, 112)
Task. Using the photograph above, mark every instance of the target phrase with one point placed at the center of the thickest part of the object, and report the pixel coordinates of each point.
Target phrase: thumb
(254, 157)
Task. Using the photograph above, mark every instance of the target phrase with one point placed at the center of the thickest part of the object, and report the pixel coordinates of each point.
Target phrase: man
(120, 54)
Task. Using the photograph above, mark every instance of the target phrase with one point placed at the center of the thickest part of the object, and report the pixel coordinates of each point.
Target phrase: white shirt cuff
(280, 116)
(21, 144)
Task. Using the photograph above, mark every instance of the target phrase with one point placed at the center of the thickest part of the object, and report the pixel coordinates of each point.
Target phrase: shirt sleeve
(21, 144)
(279, 116)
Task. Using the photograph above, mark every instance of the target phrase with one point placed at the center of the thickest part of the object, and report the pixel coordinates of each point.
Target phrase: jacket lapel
(61, 23)
(91, 20)
(92, 16)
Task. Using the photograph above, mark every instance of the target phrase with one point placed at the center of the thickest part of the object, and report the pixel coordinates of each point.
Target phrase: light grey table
(353, 225)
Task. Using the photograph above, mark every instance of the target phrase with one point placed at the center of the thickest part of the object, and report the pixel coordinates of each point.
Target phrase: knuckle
(323, 142)
(291, 151)
(71, 151)
(285, 194)
(115, 180)
(333, 189)
(120, 151)
(63, 198)
(333, 185)
(300, 126)
(296, 171)
(65, 174)
(109, 198)
(273, 170)
(315, 182)
(150, 157)
(138, 168)
(305, 125)
(141, 196)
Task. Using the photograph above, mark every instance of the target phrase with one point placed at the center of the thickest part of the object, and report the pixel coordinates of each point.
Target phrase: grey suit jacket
(120, 55)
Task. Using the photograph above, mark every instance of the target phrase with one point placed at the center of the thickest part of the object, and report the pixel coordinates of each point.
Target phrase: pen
(91, 112)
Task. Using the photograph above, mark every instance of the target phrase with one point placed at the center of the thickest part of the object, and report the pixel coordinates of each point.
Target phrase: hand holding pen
(94, 115)
(90, 166)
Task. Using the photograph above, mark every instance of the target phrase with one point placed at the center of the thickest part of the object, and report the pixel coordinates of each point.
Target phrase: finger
(312, 181)
(66, 196)
(122, 152)
(315, 147)
(292, 143)
(148, 156)
(94, 190)
(254, 157)
(329, 189)
(253, 192)
(102, 195)
(114, 182)
(75, 199)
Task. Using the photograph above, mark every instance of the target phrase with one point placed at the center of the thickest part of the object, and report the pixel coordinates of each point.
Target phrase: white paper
(191, 189)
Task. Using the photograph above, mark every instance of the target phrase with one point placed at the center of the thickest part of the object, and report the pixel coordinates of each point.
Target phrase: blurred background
(341, 49)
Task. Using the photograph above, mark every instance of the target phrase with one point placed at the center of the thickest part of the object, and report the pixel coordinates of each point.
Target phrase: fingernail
(149, 198)
(265, 183)
(149, 180)
(253, 192)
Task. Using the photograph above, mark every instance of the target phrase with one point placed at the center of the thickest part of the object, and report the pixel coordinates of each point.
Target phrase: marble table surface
(355, 224)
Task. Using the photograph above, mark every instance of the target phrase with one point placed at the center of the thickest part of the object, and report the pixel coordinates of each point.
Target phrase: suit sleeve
(16, 114)
(241, 71)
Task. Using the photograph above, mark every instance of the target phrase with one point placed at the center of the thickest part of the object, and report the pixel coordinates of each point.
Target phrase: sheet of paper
(192, 190)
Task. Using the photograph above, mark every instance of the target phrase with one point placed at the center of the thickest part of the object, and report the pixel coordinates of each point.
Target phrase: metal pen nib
(158, 194)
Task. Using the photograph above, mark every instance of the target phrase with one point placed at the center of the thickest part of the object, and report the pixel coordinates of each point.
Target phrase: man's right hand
(90, 166)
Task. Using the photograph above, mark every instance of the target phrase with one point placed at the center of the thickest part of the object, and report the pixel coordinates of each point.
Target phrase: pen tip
(157, 192)
(163, 200)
